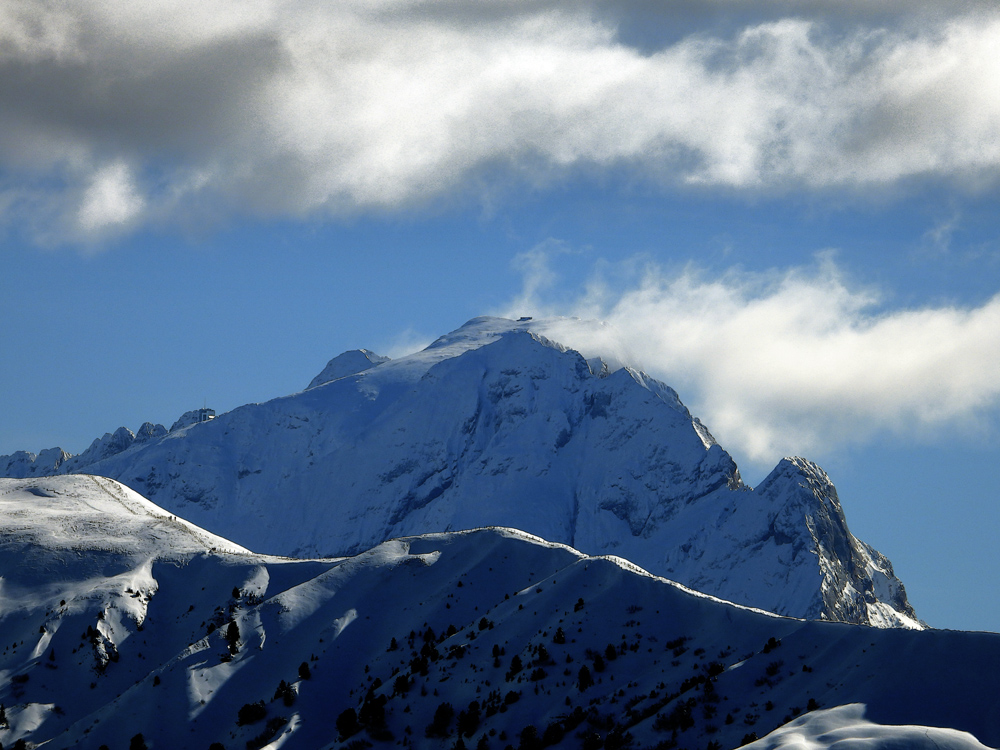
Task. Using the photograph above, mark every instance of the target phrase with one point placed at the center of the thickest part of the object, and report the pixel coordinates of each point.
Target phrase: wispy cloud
(115, 115)
(797, 361)
(405, 342)
(938, 238)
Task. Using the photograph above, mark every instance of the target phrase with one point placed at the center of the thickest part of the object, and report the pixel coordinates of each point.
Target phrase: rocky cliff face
(858, 583)
(495, 425)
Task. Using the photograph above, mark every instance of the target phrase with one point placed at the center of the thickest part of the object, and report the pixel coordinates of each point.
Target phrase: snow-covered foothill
(82, 512)
(497, 424)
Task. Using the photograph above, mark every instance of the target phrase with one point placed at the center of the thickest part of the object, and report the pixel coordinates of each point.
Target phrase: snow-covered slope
(845, 727)
(81, 545)
(528, 643)
(348, 363)
(64, 515)
(493, 424)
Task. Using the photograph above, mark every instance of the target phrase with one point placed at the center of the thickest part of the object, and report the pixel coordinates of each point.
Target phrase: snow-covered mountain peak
(499, 423)
(595, 340)
(859, 582)
(592, 338)
(349, 363)
(474, 334)
(531, 342)
(479, 331)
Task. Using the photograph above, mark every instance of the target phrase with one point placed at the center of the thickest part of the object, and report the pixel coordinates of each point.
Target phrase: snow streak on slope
(521, 638)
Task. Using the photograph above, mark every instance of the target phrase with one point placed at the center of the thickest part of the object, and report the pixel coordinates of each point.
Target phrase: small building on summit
(195, 416)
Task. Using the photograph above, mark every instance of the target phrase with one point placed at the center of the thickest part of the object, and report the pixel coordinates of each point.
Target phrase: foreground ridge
(493, 637)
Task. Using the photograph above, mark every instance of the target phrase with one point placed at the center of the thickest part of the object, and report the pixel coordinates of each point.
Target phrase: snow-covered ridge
(82, 512)
(521, 638)
(348, 363)
(23, 464)
(499, 424)
(845, 726)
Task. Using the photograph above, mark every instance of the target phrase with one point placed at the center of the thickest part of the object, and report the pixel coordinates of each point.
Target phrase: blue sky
(788, 213)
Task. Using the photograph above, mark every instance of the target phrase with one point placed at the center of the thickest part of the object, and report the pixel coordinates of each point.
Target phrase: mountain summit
(495, 424)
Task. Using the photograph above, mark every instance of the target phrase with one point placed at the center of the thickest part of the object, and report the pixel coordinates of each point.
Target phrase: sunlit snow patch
(845, 728)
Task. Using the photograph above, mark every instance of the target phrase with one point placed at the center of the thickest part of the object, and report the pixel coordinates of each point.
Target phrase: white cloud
(110, 201)
(403, 343)
(536, 270)
(797, 362)
(292, 108)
